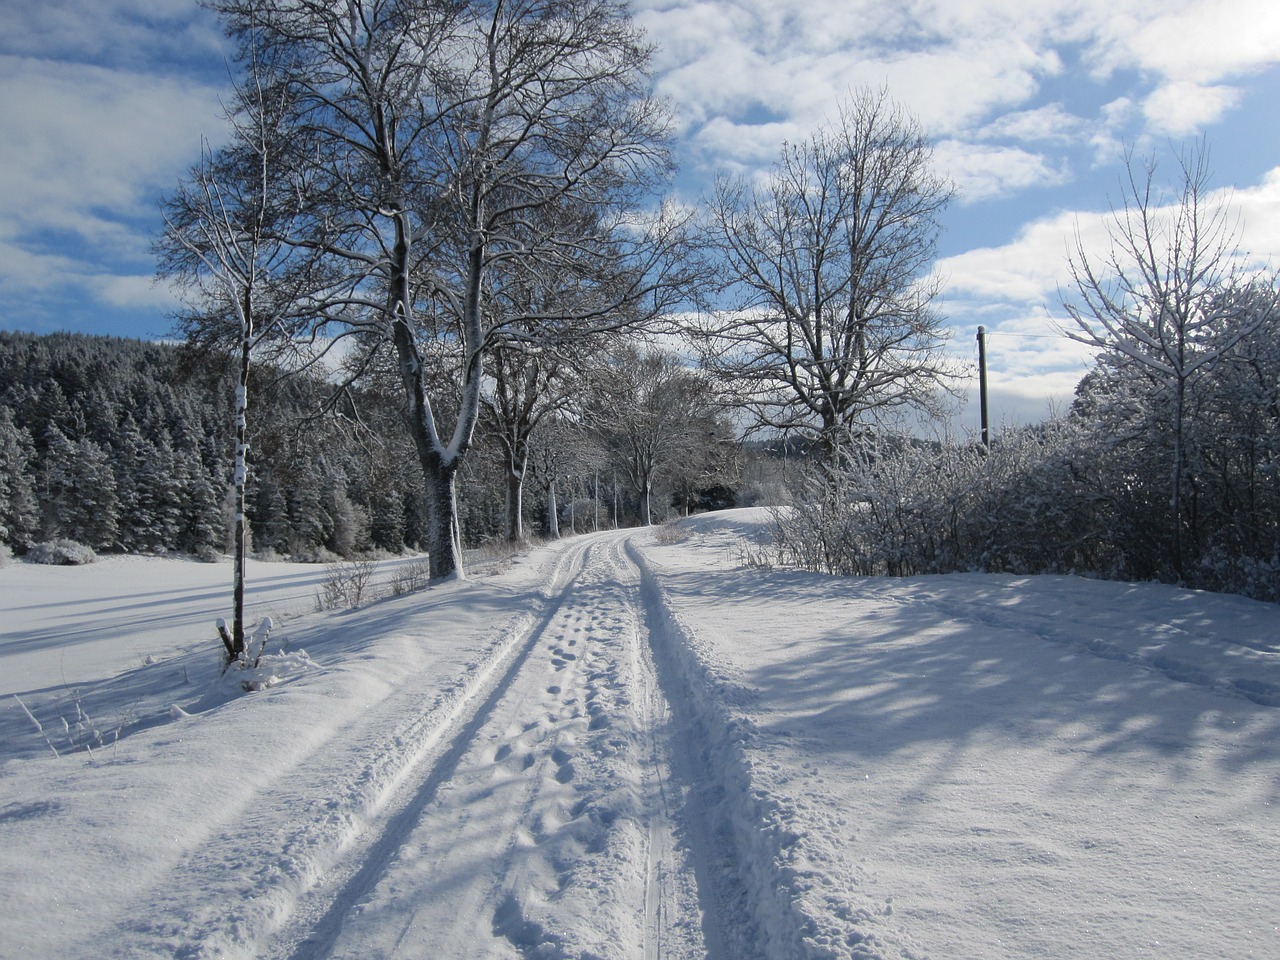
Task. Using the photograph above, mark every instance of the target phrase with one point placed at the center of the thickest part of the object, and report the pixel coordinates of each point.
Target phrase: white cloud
(1047, 124)
(1180, 108)
(1259, 209)
(134, 291)
(85, 151)
(982, 172)
(1203, 42)
(1014, 290)
(956, 64)
(81, 140)
(739, 148)
(102, 106)
(136, 33)
(1032, 367)
(24, 271)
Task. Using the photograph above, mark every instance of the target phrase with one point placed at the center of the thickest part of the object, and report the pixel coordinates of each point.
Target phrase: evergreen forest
(125, 446)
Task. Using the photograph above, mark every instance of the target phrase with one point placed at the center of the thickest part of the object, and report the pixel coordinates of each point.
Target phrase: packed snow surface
(632, 746)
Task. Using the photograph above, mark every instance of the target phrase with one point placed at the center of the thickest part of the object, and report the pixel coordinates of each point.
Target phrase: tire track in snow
(670, 877)
(710, 809)
(550, 838)
(551, 757)
(314, 930)
(285, 859)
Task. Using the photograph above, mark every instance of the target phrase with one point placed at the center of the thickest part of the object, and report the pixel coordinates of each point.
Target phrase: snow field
(624, 749)
(230, 809)
(983, 766)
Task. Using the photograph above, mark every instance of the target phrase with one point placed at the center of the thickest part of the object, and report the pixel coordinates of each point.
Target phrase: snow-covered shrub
(1036, 501)
(411, 577)
(303, 552)
(259, 670)
(66, 553)
(1225, 572)
(670, 532)
(824, 532)
(346, 584)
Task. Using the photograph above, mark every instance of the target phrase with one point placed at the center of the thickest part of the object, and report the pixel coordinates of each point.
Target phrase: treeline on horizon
(125, 446)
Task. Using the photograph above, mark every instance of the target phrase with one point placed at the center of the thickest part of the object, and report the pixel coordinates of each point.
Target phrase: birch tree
(222, 244)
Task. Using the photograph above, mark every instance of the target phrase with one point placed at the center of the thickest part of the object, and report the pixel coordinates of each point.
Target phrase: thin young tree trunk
(553, 512)
(240, 479)
(1175, 500)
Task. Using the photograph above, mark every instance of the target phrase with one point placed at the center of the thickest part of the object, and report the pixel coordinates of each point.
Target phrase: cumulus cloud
(1181, 108)
(983, 172)
(1028, 270)
(86, 149)
(1051, 123)
(1259, 210)
(24, 271)
(960, 64)
(1015, 289)
(1195, 41)
(738, 147)
(134, 291)
(81, 139)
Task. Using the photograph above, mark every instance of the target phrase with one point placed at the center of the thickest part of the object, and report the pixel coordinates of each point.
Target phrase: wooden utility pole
(982, 386)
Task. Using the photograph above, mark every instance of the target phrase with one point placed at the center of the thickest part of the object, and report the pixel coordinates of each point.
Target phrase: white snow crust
(620, 748)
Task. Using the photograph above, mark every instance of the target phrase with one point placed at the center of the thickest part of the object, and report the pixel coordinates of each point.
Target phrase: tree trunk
(444, 543)
(553, 512)
(515, 505)
(439, 463)
(240, 479)
(1175, 497)
(646, 515)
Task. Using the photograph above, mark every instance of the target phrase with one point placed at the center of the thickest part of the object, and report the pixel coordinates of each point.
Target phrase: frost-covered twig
(40, 727)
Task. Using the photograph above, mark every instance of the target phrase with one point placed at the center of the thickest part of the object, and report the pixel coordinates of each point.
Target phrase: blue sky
(103, 104)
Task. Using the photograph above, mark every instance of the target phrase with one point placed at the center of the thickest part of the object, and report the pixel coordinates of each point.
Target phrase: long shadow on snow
(938, 659)
(141, 697)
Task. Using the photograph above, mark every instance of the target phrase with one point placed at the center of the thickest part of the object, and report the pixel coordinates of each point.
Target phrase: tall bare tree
(831, 323)
(434, 133)
(1158, 298)
(245, 286)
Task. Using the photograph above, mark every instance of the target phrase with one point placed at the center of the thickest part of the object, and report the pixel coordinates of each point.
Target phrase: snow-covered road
(620, 748)
(546, 828)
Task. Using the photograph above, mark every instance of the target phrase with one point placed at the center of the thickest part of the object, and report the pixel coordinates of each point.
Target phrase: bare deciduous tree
(222, 245)
(656, 417)
(1158, 297)
(832, 323)
(434, 136)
